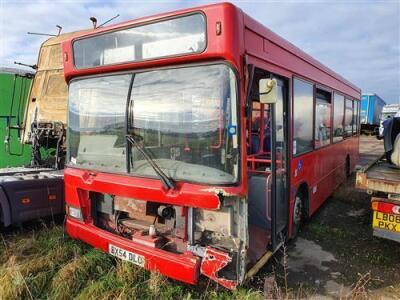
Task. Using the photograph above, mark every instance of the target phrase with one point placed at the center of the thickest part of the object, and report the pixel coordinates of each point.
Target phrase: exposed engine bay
(178, 229)
(48, 135)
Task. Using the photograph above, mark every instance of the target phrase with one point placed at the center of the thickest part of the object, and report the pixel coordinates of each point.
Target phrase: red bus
(198, 140)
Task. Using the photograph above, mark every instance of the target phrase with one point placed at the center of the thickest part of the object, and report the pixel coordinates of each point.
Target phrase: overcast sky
(358, 39)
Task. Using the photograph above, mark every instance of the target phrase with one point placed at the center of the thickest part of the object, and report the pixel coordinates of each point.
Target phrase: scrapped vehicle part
(37, 189)
(213, 262)
(47, 100)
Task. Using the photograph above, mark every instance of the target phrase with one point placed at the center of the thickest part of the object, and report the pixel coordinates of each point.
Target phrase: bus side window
(338, 117)
(355, 117)
(322, 118)
(303, 108)
(348, 119)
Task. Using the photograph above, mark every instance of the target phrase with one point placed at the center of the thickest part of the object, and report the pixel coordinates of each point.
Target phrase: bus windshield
(185, 118)
(177, 36)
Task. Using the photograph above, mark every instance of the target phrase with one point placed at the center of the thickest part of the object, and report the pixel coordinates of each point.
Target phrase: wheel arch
(303, 190)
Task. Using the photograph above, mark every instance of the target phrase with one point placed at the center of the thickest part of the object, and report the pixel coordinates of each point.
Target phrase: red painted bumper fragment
(183, 267)
(214, 261)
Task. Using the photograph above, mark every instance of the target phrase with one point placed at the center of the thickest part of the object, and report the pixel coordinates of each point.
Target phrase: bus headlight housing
(74, 212)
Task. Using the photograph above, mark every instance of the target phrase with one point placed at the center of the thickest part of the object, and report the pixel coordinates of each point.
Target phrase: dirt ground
(336, 248)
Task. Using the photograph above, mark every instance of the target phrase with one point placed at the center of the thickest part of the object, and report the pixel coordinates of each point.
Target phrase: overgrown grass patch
(43, 263)
(30, 260)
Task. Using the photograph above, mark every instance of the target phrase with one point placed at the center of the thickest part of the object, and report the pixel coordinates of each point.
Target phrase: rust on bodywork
(218, 192)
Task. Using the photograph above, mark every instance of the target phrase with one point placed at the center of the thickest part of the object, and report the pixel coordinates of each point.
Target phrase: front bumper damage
(214, 261)
(182, 234)
(185, 267)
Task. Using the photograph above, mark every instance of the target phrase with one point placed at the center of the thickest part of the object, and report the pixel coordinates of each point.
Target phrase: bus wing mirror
(268, 91)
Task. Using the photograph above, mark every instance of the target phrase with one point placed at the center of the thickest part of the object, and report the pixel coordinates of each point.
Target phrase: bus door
(267, 156)
(279, 164)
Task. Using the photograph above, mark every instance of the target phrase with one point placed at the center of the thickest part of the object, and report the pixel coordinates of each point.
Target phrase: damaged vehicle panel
(175, 160)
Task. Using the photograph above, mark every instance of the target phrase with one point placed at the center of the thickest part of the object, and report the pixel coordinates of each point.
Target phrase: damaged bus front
(154, 171)
(174, 132)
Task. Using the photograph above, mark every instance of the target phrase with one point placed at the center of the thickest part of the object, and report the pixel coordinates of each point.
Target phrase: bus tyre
(298, 209)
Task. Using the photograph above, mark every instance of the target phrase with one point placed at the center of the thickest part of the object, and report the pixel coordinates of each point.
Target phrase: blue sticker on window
(232, 130)
(299, 165)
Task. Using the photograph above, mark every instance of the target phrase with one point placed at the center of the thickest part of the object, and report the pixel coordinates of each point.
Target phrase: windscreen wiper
(167, 181)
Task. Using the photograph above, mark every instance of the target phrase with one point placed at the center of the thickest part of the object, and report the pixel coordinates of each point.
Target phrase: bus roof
(241, 17)
(294, 50)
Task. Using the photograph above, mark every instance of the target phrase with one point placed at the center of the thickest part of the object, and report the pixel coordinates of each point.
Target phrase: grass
(321, 230)
(45, 264)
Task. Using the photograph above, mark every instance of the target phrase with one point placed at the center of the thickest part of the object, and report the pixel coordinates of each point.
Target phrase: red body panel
(185, 194)
(213, 262)
(241, 40)
(323, 170)
(184, 267)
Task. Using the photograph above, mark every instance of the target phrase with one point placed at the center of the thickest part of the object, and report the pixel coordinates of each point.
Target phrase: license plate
(123, 254)
(386, 221)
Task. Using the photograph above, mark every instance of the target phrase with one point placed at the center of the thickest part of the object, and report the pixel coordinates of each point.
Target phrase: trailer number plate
(386, 221)
(126, 255)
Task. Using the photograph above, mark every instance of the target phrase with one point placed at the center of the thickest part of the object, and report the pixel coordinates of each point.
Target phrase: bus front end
(154, 171)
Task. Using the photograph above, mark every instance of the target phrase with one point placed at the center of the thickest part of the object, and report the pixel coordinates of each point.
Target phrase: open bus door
(267, 161)
(279, 165)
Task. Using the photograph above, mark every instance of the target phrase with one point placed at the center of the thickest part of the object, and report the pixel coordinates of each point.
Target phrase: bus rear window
(172, 37)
